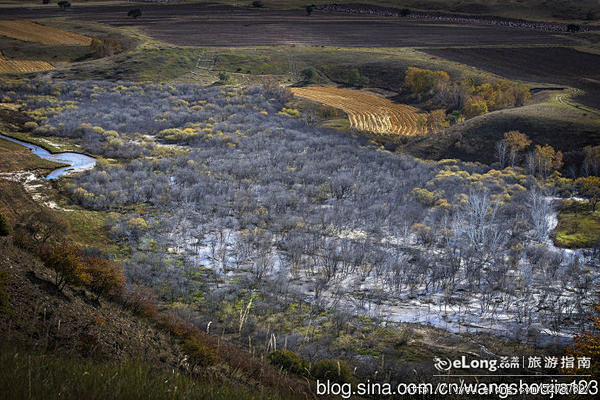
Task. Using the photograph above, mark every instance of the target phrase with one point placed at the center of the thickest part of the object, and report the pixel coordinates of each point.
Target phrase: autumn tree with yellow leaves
(547, 159)
(516, 142)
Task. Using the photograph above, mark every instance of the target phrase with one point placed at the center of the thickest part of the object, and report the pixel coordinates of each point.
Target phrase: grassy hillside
(14, 156)
(66, 344)
(26, 374)
(545, 122)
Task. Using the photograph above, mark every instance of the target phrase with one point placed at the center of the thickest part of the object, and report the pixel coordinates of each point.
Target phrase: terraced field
(368, 112)
(33, 32)
(22, 66)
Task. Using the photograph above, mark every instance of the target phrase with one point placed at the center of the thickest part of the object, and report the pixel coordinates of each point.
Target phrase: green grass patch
(340, 124)
(89, 229)
(33, 140)
(21, 50)
(375, 67)
(578, 226)
(14, 157)
(251, 61)
(145, 64)
(28, 375)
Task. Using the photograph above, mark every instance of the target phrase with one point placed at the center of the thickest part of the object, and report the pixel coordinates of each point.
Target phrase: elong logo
(462, 363)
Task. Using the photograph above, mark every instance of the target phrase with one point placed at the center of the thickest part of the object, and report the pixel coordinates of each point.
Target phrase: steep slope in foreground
(70, 345)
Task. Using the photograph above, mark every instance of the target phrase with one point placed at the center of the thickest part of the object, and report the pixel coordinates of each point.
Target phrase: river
(75, 161)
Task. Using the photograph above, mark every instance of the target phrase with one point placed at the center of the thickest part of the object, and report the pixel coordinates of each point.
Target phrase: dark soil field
(539, 64)
(214, 25)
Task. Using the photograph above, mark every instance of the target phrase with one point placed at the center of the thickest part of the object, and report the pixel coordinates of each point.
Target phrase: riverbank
(70, 161)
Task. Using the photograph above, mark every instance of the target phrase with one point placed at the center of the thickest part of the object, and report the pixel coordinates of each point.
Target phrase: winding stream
(75, 161)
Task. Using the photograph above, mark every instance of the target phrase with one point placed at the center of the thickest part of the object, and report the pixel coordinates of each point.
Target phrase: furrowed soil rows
(368, 112)
(33, 32)
(22, 66)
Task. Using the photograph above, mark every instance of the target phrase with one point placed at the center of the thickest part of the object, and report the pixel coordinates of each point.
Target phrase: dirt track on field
(366, 111)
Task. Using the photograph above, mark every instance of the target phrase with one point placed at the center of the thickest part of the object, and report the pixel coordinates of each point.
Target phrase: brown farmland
(368, 112)
(213, 25)
(559, 65)
(32, 32)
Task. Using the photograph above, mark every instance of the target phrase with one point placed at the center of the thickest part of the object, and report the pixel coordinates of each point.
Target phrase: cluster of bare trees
(325, 215)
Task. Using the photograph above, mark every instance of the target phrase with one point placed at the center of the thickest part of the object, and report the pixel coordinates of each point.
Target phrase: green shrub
(310, 75)
(455, 117)
(289, 361)
(31, 125)
(4, 227)
(223, 77)
(425, 197)
(200, 353)
(354, 78)
(334, 370)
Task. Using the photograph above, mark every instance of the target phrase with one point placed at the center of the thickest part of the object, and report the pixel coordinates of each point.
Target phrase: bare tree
(501, 152)
(540, 209)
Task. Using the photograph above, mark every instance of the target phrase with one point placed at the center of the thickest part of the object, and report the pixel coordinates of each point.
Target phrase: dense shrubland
(257, 196)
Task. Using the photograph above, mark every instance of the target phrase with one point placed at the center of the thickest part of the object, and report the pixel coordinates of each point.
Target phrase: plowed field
(210, 24)
(366, 111)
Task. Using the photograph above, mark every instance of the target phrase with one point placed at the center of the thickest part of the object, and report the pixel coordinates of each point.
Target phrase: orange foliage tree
(103, 276)
(65, 260)
(587, 344)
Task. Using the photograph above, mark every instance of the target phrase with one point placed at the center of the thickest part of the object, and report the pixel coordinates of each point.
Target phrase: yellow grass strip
(33, 32)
